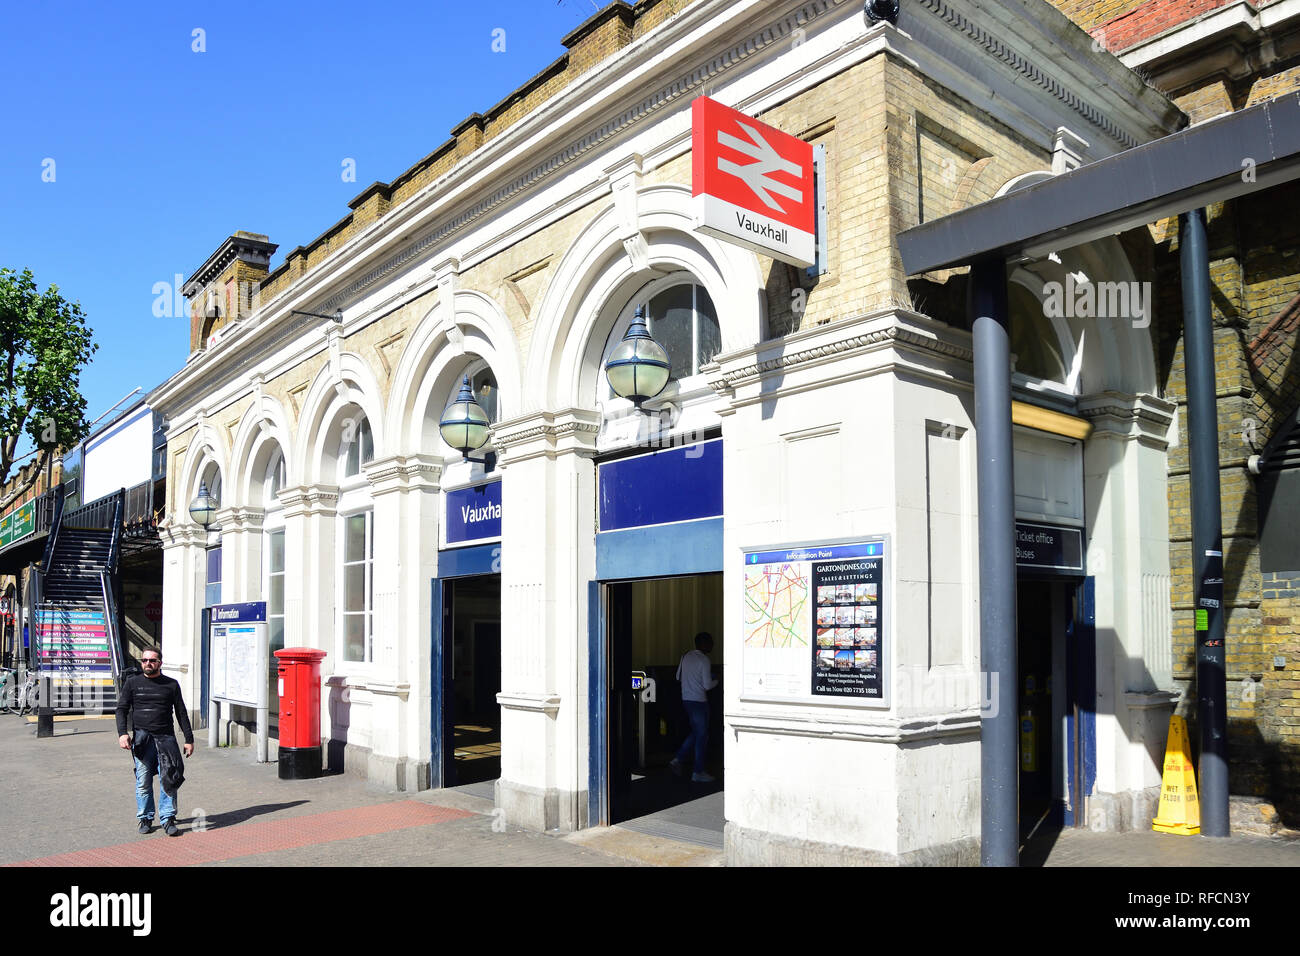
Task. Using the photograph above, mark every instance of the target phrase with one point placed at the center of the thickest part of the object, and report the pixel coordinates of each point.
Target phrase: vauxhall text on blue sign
(474, 514)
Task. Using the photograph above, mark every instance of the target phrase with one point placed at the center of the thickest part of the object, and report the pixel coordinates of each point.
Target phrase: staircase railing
(115, 543)
(56, 523)
(116, 654)
(97, 515)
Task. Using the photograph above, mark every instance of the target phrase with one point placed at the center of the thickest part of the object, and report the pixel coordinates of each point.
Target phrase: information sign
(815, 623)
(239, 654)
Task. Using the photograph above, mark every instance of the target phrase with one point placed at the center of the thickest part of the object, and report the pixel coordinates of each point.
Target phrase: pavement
(236, 812)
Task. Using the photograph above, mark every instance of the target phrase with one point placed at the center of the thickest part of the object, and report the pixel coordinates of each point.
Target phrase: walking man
(151, 699)
(695, 671)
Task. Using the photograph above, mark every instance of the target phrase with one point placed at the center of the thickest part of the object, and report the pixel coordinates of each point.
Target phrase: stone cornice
(307, 500)
(548, 434)
(1057, 34)
(920, 334)
(403, 473)
(182, 535)
(239, 518)
(1118, 416)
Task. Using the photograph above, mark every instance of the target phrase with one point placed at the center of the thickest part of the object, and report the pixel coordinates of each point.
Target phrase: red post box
(299, 681)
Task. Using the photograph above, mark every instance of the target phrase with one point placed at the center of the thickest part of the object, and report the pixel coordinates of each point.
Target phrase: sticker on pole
(753, 184)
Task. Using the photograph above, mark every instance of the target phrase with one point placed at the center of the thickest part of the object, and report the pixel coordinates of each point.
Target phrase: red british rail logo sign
(753, 184)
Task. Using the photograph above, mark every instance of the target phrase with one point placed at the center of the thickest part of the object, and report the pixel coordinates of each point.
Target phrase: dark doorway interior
(652, 623)
(1045, 610)
(473, 656)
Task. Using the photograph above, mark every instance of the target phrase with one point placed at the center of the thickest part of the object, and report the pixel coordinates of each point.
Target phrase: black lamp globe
(204, 506)
(639, 367)
(464, 424)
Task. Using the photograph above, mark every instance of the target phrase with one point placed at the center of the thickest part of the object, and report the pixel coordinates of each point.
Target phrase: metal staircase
(77, 618)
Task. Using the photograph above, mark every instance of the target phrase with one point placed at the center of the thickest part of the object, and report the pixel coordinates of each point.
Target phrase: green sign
(6, 530)
(23, 521)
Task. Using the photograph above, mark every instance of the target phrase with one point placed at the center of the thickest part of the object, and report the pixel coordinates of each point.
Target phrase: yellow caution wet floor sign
(1180, 810)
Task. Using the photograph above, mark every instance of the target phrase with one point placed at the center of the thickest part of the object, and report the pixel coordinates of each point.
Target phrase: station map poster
(814, 623)
(238, 654)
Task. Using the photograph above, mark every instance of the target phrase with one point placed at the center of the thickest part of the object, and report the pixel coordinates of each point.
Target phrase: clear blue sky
(160, 152)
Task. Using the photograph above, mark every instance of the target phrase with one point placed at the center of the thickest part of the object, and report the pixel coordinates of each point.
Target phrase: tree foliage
(44, 344)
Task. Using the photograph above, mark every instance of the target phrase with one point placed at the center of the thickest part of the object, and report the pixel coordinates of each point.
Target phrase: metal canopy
(1224, 158)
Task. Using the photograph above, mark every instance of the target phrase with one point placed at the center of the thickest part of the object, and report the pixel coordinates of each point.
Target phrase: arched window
(273, 552)
(358, 446)
(681, 317)
(274, 481)
(355, 537)
(483, 383)
(1034, 341)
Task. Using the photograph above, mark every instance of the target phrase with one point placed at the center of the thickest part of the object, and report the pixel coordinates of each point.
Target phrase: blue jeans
(144, 773)
(697, 712)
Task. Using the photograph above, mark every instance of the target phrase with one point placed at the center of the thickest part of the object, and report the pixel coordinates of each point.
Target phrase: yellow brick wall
(1091, 13)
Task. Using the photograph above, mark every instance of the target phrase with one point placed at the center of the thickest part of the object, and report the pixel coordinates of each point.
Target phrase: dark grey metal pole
(999, 763)
(1207, 526)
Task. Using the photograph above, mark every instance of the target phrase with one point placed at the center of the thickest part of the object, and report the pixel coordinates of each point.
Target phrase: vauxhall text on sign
(753, 184)
(473, 514)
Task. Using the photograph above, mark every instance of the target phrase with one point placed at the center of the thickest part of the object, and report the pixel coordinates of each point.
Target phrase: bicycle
(8, 689)
(28, 695)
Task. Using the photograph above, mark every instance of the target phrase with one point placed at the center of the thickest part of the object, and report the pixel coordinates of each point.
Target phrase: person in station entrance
(151, 699)
(695, 672)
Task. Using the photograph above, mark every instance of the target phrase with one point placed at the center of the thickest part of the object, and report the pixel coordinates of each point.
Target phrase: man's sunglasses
(151, 660)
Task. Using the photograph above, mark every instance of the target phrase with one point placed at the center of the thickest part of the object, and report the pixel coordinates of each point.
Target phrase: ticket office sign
(815, 624)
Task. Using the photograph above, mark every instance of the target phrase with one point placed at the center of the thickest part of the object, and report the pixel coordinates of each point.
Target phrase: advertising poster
(815, 623)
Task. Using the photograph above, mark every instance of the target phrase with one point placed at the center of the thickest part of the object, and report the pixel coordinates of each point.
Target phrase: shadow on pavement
(232, 817)
(1035, 851)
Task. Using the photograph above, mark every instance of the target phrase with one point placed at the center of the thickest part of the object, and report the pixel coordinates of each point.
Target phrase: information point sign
(815, 624)
(753, 185)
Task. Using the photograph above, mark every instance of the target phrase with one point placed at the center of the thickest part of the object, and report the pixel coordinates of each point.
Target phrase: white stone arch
(439, 349)
(597, 277)
(1114, 355)
(344, 383)
(206, 449)
(263, 429)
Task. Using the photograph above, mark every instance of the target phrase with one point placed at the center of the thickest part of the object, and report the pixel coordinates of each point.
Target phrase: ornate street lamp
(204, 507)
(464, 424)
(639, 368)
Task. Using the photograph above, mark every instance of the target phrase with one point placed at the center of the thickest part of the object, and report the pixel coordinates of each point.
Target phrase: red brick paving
(248, 839)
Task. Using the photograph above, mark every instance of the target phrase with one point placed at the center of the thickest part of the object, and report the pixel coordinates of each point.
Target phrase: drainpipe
(999, 763)
(1207, 526)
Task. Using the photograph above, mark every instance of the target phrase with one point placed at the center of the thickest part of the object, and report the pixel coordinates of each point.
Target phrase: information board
(74, 655)
(815, 623)
(239, 654)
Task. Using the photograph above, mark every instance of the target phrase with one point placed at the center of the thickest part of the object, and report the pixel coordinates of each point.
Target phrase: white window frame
(368, 613)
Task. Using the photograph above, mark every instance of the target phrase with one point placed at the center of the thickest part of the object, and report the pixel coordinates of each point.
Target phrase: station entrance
(471, 664)
(651, 624)
(1055, 654)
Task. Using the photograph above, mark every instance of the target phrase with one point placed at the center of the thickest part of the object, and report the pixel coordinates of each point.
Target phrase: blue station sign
(474, 514)
(249, 612)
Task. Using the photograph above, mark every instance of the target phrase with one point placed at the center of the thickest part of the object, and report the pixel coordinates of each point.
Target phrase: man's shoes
(145, 827)
(702, 777)
(171, 829)
(676, 767)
